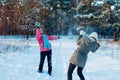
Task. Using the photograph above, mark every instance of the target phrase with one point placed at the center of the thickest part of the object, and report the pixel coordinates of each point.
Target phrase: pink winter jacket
(41, 42)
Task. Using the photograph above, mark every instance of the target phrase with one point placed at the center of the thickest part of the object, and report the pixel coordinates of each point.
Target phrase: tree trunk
(115, 36)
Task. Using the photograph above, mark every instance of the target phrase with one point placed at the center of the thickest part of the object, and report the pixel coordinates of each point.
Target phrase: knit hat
(82, 32)
(94, 34)
(38, 24)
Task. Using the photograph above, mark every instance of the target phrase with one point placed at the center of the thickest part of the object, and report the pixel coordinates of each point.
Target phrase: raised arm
(38, 34)
(52, 37)
(78, 41)
(95, 49)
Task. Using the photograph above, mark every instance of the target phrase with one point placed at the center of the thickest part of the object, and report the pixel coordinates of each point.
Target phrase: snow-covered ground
(19, 60)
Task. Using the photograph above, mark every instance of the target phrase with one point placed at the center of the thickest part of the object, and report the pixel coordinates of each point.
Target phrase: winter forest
(63, 20)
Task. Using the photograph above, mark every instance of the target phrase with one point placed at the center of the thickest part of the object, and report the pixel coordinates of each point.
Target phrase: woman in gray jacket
(79, 57)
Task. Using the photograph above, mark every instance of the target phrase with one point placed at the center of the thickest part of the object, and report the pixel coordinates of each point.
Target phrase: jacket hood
(94, 35)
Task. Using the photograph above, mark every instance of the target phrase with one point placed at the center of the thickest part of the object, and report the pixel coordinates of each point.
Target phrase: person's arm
(38, 34)
(95, 49)
(79, 37)
(78, 41)
(52, 37)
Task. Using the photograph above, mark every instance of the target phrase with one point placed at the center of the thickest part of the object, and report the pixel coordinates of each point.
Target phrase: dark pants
(42, 59)
(71, 69)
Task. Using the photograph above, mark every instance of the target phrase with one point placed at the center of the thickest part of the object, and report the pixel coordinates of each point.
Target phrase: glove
(37, 24)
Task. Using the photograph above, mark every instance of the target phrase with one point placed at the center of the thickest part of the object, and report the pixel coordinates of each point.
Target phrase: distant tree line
(18, 17)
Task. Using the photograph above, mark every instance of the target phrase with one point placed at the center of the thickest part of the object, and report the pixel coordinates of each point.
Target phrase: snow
(97, 3)
(19, 60)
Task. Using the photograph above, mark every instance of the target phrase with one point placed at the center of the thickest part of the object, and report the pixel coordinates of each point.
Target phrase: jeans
(49, 60)
(71, 69)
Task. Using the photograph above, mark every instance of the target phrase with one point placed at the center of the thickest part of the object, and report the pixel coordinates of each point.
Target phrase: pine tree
(100, 15)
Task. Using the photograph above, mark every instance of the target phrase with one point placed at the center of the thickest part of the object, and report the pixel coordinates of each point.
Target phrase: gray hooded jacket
(85, 45)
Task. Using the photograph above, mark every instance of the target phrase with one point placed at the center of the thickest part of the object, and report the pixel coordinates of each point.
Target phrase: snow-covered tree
(100, 14)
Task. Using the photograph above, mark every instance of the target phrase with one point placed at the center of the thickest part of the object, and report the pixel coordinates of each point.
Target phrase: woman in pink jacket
(45, 48)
